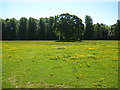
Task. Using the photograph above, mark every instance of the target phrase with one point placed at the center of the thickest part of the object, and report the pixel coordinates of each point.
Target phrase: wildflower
(8, 78)
(79, 55)
(90, 48)
(28, 82)
(13, 48)
(95, 84)
(13, 51)
(91, 56)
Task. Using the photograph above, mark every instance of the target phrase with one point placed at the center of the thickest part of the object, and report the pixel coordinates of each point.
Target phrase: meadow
(50, 64)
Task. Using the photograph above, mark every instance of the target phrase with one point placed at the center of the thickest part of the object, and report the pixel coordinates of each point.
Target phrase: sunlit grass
(50, 64)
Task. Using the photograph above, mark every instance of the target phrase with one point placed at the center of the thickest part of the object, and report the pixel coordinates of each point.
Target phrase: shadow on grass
(68, 40)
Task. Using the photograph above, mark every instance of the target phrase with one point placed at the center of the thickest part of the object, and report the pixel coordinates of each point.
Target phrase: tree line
(64, 27)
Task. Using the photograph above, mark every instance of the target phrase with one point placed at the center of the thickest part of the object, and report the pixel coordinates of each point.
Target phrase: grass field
(50, 64)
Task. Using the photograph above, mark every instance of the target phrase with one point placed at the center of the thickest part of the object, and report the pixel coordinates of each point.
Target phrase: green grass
(50, 64)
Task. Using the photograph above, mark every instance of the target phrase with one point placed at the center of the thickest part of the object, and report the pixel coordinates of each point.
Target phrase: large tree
(50, 28)
(22, 28)
(104, 31)
(4, 30)
(51, 24)
(97, 34)
(47, 28)
(118, 28)
(41, 29)
(32, 27)
(101, 31)
(115, 30)
(69, 27)
(89, 30)
(11, 29)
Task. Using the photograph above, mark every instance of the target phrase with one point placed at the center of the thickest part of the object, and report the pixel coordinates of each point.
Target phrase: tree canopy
(69, 27)
(64, 27)
(88, 33)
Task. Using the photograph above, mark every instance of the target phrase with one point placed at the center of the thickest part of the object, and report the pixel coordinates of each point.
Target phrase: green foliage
(22, 28)
(69, 27)
(88, 33)
(11, 28)
(51, 34)
(50, 64)
(41, 29)
(32, 27)
(101, 31)
(63, 27)
(4, 30)
(115, 30)
(118, 29)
